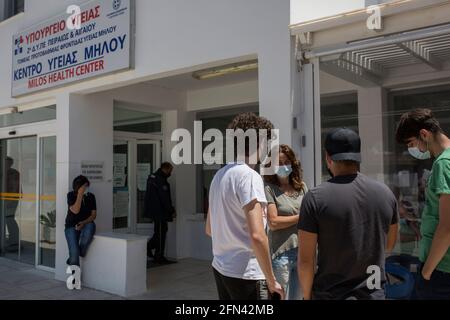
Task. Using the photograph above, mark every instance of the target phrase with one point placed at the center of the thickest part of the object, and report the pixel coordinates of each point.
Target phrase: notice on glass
(120, 180)
(119, 171)
(121, 204)
(143, 170)
(120, 160)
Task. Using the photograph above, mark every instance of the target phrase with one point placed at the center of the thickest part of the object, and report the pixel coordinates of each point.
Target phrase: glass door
(148, 160)
(134, 161)
(18, 199)
(121, 189)
(47, 202)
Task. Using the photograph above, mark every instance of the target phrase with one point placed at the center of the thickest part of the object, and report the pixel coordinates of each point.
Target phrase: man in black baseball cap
(343, 144)
(355, 219)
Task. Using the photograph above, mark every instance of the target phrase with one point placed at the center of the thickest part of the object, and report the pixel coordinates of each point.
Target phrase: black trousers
(240, 289)
(158, 241)
(437, 288)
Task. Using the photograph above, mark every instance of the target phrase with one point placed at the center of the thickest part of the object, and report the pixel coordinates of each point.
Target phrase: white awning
(366, 63)
(367, 60)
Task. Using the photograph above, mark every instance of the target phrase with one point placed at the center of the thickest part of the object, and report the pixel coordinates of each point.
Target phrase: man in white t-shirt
(236, 222)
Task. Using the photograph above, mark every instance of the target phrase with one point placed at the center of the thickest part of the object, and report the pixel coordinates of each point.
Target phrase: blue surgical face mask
(416, 153)
(86, 191)
(283, 171)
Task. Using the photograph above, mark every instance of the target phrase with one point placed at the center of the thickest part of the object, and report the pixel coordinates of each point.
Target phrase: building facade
(308, 67)
(123, 121)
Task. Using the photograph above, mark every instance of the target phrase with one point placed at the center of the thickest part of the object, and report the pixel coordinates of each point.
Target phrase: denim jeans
(437, 288)
(285, 270)
(78, 242)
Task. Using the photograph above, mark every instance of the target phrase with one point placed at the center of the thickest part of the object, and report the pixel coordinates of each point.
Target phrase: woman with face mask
(284, 193)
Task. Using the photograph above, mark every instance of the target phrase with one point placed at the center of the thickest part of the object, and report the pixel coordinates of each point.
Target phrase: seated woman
(80, 226)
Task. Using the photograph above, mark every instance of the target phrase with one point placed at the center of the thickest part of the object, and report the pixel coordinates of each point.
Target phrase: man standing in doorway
(353, 220)
(158, 207)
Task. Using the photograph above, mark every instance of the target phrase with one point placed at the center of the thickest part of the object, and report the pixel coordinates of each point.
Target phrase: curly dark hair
(296, 177)
(247, 121)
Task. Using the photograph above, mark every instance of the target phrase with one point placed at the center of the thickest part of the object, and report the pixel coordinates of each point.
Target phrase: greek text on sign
(53, 53)
(93, 170)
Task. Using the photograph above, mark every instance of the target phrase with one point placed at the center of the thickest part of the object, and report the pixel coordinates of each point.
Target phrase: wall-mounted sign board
(52, 53)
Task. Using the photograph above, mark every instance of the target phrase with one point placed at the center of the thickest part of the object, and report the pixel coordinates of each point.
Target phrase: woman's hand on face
(81, 190)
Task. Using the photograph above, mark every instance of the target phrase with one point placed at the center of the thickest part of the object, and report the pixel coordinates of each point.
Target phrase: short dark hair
(412, 122)
(80, 181)
(249, 120)
(349, 163)
(166, 166)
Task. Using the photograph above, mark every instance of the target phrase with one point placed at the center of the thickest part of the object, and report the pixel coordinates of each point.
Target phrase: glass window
(47, 203)
(147, 163)
(121, 195)
(9, 8)
(128, 120)
(337, 111)
(30, 116)
(407, 176)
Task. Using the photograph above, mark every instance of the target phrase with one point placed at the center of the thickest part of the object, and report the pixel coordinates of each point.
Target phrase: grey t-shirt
(351, 216)
(285, 239)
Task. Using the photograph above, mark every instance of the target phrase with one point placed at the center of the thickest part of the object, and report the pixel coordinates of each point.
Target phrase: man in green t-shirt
(423, 135)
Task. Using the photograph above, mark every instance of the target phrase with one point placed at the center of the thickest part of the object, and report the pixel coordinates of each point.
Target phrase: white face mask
(416, 153)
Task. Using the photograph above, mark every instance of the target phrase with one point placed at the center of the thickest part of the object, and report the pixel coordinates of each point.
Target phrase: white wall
(178, 36)
(224, 96)
(305, 10)
(84, 133)
(172, 37)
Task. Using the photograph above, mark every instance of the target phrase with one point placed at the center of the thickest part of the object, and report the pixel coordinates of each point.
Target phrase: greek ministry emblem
(18, 43)
(117, 4)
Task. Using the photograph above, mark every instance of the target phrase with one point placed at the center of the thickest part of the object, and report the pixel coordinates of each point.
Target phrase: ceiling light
(224, 70)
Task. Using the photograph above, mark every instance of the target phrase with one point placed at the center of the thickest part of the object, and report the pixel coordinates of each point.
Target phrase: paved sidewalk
(22, 282)
(188, 279)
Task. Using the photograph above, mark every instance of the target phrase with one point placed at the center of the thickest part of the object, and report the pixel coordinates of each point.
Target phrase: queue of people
(281, 240)
(275, 238)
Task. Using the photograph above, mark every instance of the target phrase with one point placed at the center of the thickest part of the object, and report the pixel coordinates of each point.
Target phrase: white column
(275, 80)
(186, 194)
(371, 103)
(170, 119)
(307, 92)
(84, 133)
